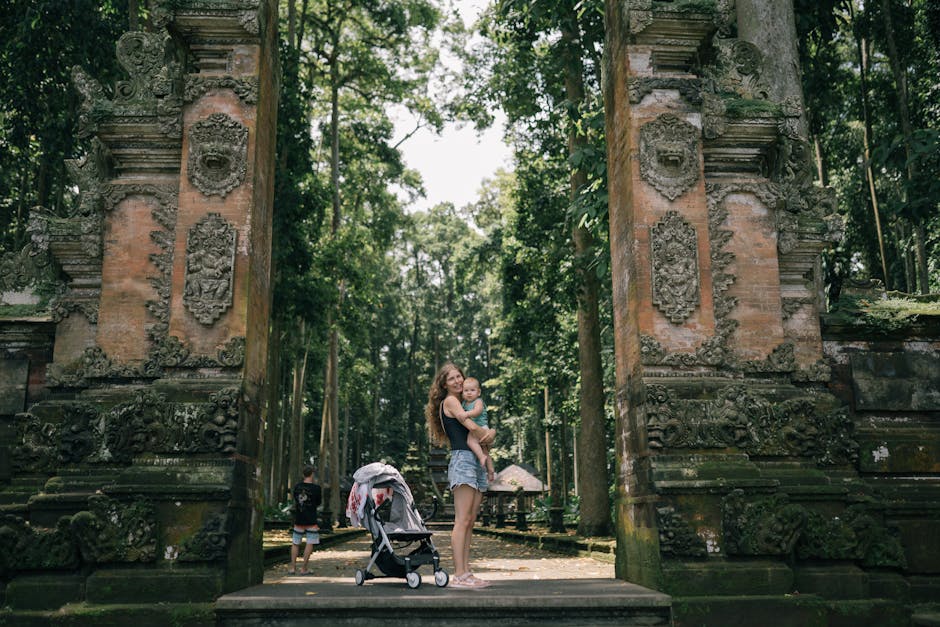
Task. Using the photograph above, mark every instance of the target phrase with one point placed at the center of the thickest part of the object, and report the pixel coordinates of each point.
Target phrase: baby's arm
(453, 408)
(476, 410)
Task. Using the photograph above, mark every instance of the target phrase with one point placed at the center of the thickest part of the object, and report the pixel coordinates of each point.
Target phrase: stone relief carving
(762, 526)
(218, 154)
(738, 70)
(197, 85)
(690, 89)
(853, 535)
(151, 90)
(24, 547)
(676, 537)
(674, 259)
(669, 150)
(210, 268)
(32, 265)
(739, 417)
(36, 450)
(113, 532)
(208, 544)
(146, 424)
(715, 351)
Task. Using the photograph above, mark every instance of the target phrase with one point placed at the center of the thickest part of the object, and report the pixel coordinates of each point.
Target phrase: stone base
(787, 611)
(110, 586)
(843, 581)
(715, 578)
(925, 589)
(779, 611)
(873, 612)
(889, 585)
(81, 615)
(44, 592)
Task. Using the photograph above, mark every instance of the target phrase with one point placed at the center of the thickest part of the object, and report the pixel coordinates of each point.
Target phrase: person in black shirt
(307, 497)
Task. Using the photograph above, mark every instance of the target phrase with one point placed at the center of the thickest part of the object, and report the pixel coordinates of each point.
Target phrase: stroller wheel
(360, 577)
(413, 579)
(441, 578)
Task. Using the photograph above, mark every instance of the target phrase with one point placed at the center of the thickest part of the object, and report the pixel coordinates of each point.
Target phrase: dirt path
(491, 558)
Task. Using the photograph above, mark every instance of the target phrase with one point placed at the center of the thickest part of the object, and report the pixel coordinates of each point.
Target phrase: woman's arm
(453, 409)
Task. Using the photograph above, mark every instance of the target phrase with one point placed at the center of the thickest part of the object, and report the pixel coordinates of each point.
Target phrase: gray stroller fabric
(403, 516)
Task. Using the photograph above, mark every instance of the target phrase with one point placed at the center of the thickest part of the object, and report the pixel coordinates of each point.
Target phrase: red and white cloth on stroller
(381, 501)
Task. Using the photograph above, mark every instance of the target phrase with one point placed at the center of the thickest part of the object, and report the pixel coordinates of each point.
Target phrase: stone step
(926, 619)
(559, 602)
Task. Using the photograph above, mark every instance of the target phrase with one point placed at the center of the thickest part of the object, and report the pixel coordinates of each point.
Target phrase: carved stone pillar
(149, 439)
(725, 426)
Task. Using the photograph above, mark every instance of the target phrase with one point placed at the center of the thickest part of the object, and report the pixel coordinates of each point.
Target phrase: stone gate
(745, 451)
(132, 384)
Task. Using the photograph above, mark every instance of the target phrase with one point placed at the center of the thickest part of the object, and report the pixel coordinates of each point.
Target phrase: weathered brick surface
(125, 285)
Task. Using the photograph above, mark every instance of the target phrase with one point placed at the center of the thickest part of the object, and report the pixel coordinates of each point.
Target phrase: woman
(449, 423)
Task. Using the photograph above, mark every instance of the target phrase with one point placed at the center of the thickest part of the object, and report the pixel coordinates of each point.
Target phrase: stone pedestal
(144, 429)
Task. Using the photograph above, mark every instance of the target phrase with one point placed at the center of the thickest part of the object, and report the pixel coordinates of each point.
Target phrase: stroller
(381, 501)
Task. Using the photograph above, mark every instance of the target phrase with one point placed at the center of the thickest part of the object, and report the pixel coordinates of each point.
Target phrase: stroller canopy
(403, 516)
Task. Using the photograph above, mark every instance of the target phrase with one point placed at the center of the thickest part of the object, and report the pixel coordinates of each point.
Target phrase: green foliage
(906, 170)
(40, 41)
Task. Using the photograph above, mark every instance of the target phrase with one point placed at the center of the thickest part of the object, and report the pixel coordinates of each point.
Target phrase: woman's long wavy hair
(436, 396)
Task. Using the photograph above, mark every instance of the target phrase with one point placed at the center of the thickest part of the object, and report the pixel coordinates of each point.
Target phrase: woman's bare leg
(475, 510)
(464, 514)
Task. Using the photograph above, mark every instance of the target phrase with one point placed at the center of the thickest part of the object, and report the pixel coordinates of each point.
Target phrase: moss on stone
(23, 311)
(736, 107)
(884, 316)
(686, 6)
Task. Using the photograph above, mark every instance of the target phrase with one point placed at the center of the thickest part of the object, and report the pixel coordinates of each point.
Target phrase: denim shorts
(312, 532)
(465, 469)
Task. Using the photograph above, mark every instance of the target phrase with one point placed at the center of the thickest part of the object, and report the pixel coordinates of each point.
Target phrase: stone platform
(564, 602)
(530, 586)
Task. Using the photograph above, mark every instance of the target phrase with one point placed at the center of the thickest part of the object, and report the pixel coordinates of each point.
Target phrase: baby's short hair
(471, 380)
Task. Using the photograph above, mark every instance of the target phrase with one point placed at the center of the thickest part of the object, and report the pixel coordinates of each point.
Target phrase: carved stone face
(672, 158)
(669, 155)
(218, 150)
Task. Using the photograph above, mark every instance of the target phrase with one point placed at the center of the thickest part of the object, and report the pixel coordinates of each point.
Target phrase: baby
(473, 404)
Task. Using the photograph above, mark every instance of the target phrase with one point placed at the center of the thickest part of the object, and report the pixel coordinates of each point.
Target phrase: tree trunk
(595, 506)
(866, 147)
(133, 14)
(297, 415)
(904, 113)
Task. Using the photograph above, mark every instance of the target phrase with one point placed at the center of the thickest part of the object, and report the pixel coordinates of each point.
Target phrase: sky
(454, 164)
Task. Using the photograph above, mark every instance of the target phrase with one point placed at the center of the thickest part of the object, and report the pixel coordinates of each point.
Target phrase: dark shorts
(465, 469)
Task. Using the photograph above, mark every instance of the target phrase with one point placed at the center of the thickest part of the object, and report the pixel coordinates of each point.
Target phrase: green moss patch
(884, 316)
(687, 6)
(751, 108)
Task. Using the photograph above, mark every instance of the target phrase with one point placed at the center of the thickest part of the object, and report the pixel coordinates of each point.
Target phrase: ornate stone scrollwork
(210, 268)
(690, 89)
(676, 537)
(37, 444)
(763, 526)
(669, 150)
(110, 531)
(208, 544)
(218, 154)
(197, 85)
(674, 259)
(23, 547)
(741, 418)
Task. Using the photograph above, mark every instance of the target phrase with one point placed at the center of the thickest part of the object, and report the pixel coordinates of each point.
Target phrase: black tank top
(456, 432)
